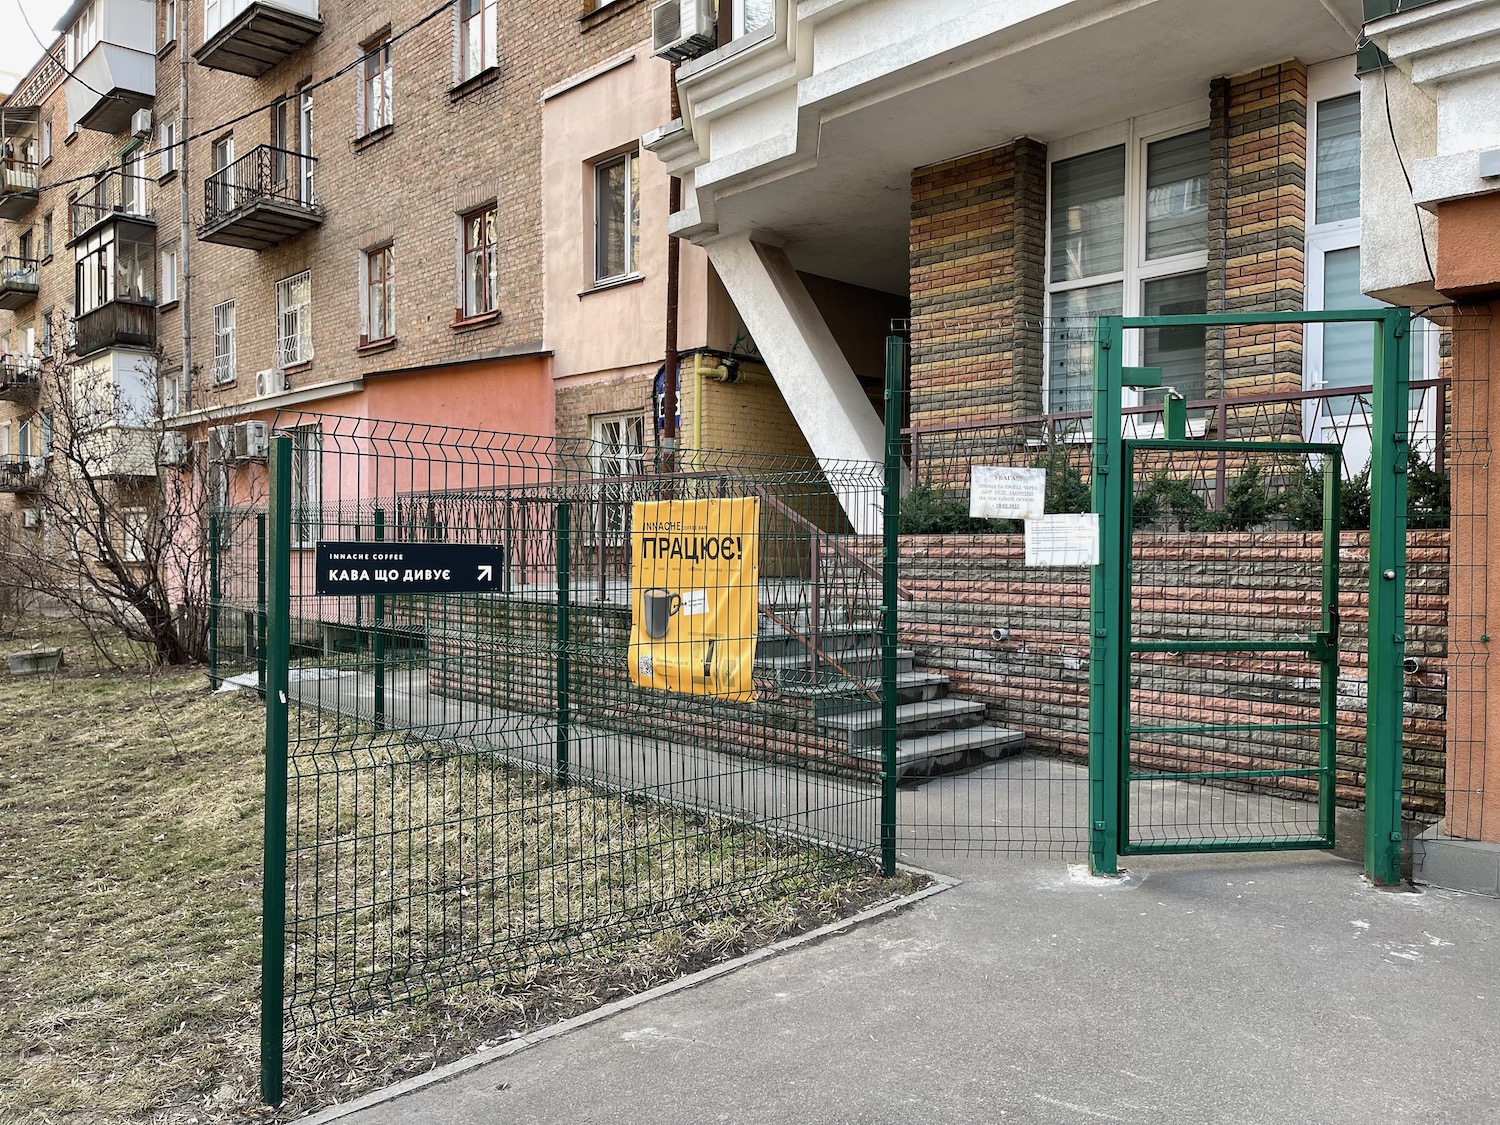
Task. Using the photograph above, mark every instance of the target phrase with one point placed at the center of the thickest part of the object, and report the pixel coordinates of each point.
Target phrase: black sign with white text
(365, 567)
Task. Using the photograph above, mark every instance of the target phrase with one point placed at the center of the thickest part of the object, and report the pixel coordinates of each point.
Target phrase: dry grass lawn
(130, 813)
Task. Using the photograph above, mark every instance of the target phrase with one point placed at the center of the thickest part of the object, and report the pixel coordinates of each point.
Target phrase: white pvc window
(224, 344)
(617, 218)
(750, 15)
(619, 452)
(307, 483)
(294, 320)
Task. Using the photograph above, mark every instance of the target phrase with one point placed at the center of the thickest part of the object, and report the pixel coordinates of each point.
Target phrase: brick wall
(978, 229)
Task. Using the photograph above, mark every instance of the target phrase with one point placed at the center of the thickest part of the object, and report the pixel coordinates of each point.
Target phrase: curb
(436, 1075)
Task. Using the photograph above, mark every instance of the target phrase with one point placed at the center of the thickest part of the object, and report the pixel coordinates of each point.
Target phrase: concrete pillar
(810, 370)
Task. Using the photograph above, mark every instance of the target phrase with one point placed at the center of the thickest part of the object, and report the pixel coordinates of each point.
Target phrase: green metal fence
(464, 784)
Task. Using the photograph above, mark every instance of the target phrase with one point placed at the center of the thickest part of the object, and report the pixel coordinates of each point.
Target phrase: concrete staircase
(936, 730)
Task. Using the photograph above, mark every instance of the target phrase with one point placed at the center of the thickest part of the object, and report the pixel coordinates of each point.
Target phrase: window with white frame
(167, 282)
(223, 174)
(481, 262)
(307, 482)
(379, 297)
(294, 320)
(375, 105)
(619, 452)
(83, 36)
(478, 50)
(133, 181)
(749, 15)
(47, 235)
(224, 358)
(617, 218)
(45, 145)
(168, 147)
(1127, 234)
(169, 22)
(134, 530)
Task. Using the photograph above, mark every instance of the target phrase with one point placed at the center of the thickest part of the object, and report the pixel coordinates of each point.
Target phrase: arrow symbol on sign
(486, 574)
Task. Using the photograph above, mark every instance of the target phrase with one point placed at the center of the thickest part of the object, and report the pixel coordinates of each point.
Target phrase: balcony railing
(115, 195)
(18, 186)
(118, 324)
(262, 199)
(20, 378)
(21, 474)
(18, 282)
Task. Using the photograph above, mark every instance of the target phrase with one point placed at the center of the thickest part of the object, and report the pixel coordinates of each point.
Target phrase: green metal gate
(1120, 646)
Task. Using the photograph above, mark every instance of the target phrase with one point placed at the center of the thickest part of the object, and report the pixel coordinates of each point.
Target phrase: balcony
(117, 324)
(18, 187)
(261, 200)
(18, 283)
(115, 198)
(259, 36)
(21, 474)
(20, 378)
(110, 84)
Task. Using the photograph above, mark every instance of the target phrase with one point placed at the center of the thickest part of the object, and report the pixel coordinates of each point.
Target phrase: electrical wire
(1390, 124)
(47, 51)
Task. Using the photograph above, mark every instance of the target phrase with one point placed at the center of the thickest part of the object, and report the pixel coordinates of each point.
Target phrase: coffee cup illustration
(657, 607)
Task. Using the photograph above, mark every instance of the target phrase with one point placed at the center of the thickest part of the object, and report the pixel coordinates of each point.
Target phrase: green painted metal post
(1105, 581)
(260, 604)
(564, 592)
(1174, 417)
(213, 598)
(1328, 685)
(378, 644)
(273, 885)
(1387, 599)
(890, 490)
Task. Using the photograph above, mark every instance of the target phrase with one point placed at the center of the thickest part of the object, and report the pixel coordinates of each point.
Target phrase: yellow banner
(694, 595)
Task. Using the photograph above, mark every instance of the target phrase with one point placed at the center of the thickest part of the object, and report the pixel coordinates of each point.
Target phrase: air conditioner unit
(683, 29)
(140, 123)
(271, 381)
(174, 448)
(221, 444)
(30, 517)
(252, 441)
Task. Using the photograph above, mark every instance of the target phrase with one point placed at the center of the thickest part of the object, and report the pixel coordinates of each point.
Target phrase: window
(83, 36)
(47, 333)
(133, 534)
(617, 225)
(224, 342)
(169, 23)
(477, 49)
(169, 388)
(481, 264)
(133, 181)
(1128, 234)
(168, 148)
(26, 245)
(750, 15)
(619, 451)
(168, 276)
(46, 139)
(379, 295)
(47, 235)
(304, 146)
(307, 495)
(294, 320)
(291, 145)
(223, 177)
(115, 263)
(375, 88)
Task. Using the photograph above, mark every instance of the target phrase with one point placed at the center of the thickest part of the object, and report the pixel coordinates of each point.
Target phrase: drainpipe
(184, 273)
(674, 272)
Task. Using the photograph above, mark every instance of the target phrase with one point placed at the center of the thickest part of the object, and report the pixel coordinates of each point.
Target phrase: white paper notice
(1071, 540)
(999, 493)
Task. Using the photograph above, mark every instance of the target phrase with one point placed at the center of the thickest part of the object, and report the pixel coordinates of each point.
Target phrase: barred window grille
(294, 319)
(224, 342)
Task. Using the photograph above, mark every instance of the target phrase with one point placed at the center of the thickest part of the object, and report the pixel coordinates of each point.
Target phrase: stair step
(912, 719)
(928, 753)
(835, 698)
(857, 661)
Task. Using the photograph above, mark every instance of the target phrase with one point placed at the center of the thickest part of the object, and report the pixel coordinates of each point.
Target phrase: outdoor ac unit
(174, 448)
(252, 441)
(140, 123)
(269, 382)
(221, 443)
(683, 29)
(30, 517)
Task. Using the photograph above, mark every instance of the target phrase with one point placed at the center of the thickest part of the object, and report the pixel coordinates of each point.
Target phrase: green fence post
(213, 598)
(890, 562)
(1105, 580)
(1328, 676)
(273, 887)
(378, 644)
(260, 604)
(1387, 639)
(564, 579)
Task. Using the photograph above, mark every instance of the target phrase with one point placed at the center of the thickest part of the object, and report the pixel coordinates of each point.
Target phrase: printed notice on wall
(997, 492)
(694, 588)
(1070, 540)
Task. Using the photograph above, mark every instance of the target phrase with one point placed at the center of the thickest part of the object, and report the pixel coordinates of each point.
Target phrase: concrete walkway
(1248, 989)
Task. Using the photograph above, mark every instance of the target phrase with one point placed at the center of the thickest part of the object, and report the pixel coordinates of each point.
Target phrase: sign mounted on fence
(997, 492)
(365, 567)
(694, 596)
(1063, 540)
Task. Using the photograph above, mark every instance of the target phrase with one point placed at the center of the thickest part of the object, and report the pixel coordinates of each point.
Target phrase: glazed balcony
(18, 282)
(20, 378)
(18, 187)
(117, 324)
(261, 200)
(252, 38)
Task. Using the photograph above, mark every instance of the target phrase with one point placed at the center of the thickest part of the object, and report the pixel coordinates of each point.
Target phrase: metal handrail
(264, 173)
(14, 270)
(114, 193)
